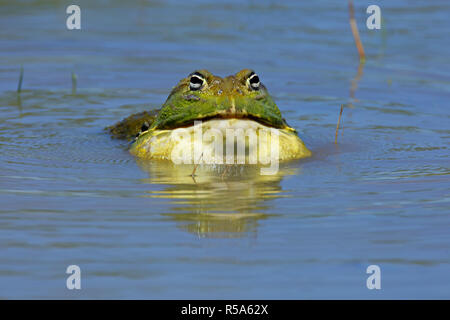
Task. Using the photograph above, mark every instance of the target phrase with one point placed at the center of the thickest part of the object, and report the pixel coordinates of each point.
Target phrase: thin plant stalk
(19, 86)
(359, 46)
(337, 126)
(196, 165)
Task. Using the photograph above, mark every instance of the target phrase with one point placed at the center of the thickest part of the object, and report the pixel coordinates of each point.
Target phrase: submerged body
(206, 110)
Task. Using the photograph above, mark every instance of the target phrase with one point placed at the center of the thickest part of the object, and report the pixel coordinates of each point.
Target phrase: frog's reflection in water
(223, 201)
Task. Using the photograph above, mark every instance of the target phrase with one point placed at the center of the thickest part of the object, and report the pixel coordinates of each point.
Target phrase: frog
(236, 102)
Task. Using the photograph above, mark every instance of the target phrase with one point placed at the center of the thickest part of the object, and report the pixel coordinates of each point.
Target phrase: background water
(71, 195)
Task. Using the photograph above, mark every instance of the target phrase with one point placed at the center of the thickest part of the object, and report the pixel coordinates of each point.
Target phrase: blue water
(69, 194)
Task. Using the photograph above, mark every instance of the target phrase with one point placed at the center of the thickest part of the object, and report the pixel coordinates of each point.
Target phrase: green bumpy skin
(229, 97)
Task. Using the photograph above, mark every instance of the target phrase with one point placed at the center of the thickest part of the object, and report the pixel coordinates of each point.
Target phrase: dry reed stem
(359, 46)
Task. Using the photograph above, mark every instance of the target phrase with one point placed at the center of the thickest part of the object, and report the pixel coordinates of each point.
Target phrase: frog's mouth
(243, 116)
(226, 116)
(163, 144)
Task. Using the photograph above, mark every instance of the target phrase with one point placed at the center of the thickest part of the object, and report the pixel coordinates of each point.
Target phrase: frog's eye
(196, 81)
(253, 81)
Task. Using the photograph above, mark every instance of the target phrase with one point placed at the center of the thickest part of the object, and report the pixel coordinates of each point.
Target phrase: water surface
(70, 194)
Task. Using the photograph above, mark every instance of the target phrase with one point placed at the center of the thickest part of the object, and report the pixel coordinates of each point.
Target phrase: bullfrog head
(236, 102)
